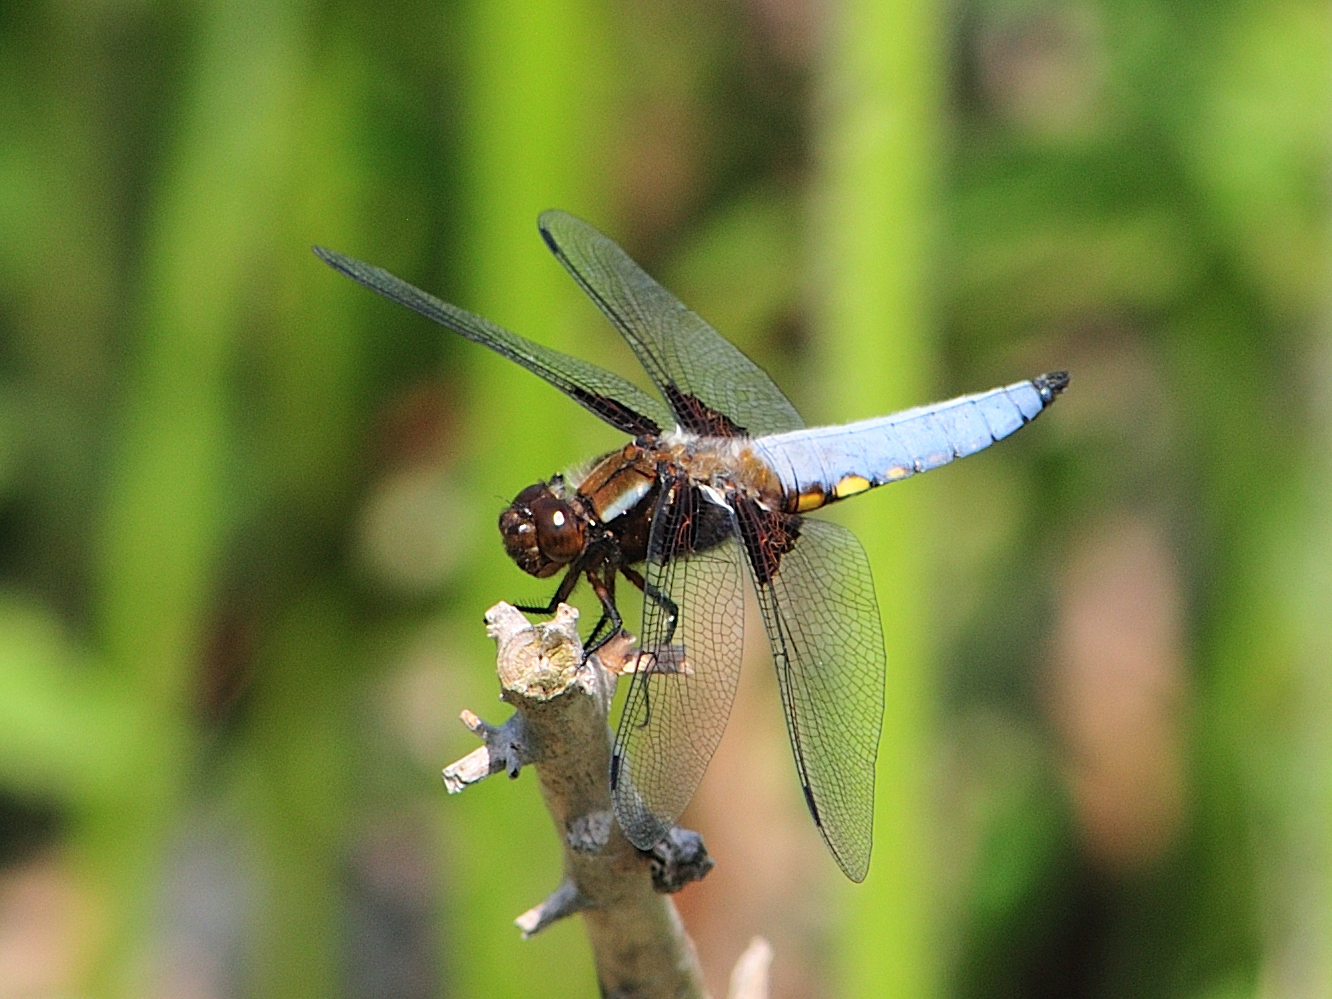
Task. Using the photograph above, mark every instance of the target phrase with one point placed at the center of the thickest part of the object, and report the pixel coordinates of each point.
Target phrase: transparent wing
(817, 596)
(676, 710)
(616, 400)
(713, 388)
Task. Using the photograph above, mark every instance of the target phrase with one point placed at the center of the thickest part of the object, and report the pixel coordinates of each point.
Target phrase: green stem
(872, 250)
(162, 528)
(535, 94)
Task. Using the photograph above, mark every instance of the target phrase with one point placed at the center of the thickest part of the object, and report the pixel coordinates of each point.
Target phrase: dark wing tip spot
(809, 802)
(544, 221)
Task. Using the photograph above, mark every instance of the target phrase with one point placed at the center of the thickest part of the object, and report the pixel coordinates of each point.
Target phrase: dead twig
(749, 977)
(559, 727)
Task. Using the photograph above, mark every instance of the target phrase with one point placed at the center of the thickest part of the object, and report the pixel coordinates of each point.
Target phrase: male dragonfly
(715, 485)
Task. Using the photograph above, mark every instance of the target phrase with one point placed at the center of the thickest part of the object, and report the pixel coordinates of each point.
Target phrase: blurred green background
(247, 509)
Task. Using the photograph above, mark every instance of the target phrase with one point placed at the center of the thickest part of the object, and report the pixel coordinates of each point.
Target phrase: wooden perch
(559, 726)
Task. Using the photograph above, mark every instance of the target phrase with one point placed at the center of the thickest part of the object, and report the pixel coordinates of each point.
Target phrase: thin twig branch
(559, 726)
(749, 977)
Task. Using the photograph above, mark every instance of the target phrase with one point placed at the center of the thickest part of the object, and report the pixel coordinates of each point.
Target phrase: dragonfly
(716, 485)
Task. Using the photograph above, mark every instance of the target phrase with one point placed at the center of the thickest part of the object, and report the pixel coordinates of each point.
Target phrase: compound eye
(559, 531)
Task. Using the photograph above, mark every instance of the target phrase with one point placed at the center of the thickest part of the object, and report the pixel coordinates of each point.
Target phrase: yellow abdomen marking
(850, 485)
(811, 500)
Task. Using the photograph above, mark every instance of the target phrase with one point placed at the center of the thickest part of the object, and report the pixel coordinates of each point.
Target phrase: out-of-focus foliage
(246, 509)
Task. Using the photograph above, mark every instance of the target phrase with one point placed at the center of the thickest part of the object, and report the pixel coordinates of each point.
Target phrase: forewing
(680, 697)
(817, 596)
(616, 400)
(713, 388)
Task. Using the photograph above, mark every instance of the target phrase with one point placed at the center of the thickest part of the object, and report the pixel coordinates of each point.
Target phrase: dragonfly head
(542, 531)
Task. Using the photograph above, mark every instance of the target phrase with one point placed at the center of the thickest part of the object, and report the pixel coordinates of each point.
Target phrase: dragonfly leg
(669, 607)
(561, 594)
(610, 614)
(602, 621)
(672, 611)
